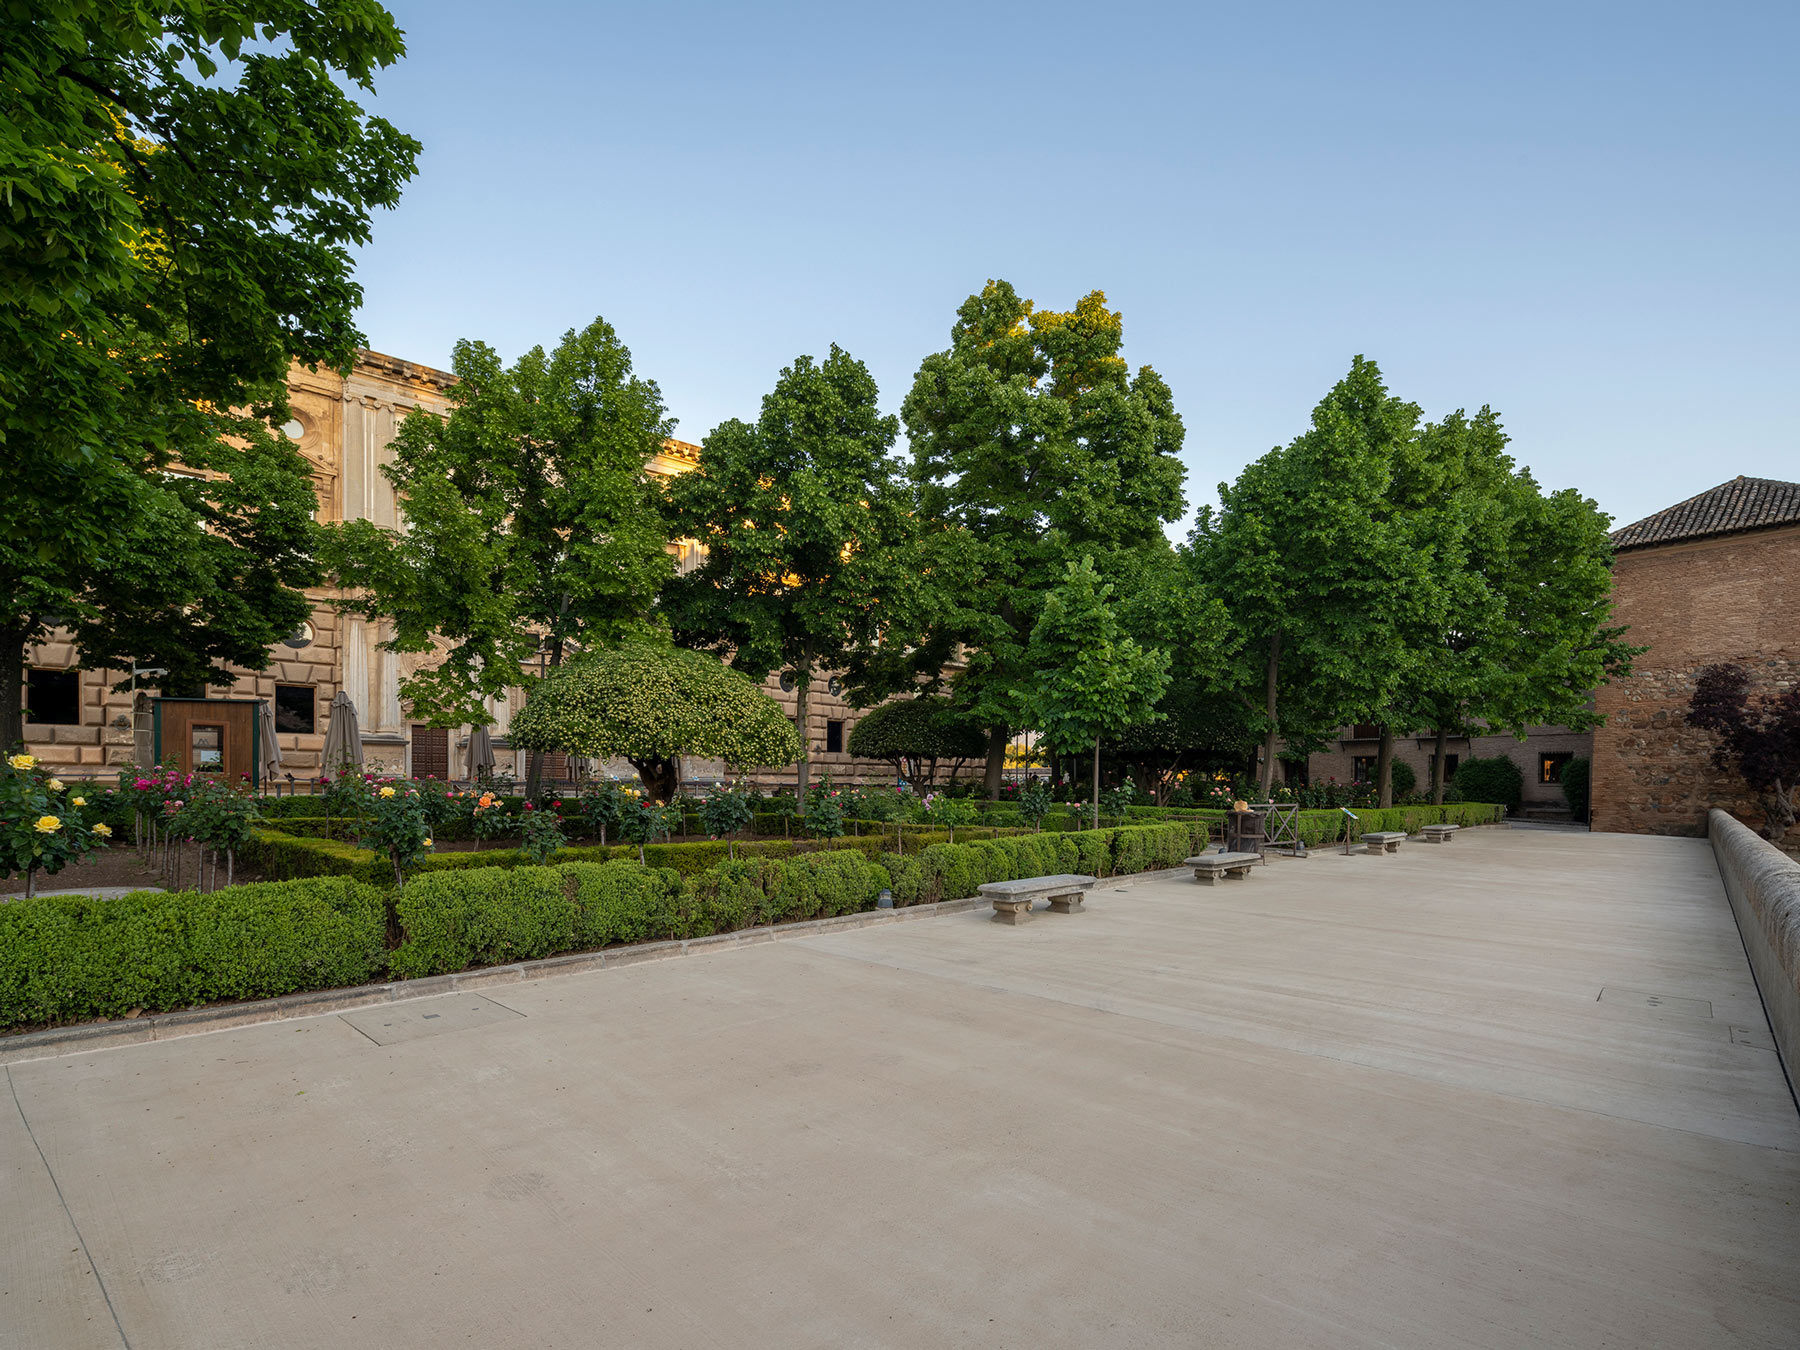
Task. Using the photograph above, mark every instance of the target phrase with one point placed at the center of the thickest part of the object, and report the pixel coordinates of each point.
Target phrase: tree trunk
(996, 761)
(12, 688)
(1096, 782)
(802, 696)
(661, 777)
(1384, 768)
(1266, 774)
(1437, 766)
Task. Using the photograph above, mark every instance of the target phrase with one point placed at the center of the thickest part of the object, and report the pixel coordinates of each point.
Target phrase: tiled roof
(1741, 504)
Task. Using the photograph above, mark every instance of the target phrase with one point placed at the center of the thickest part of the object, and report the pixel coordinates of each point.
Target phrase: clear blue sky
(1583, 215)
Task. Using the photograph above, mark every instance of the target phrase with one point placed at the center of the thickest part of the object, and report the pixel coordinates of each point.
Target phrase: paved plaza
(1513, 1091)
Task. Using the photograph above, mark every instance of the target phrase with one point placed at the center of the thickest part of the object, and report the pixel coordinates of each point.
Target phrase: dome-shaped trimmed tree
(913, 735)
(650, 703)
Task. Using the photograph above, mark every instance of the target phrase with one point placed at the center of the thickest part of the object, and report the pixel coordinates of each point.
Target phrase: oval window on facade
(300, 637)
(293, 428)
(787, 681)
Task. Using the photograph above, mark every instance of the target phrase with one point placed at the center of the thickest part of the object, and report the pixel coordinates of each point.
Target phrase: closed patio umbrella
(343, 738)
(481, 755)
(270, 763)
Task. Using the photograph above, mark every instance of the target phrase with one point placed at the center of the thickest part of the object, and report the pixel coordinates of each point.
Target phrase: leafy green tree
(1507, 625)
(1313, 570)
(1033, 446)
(650, 704)
(913, 734)
(1200, 721)
(1090, 680)
(183, 186)
(531, 524)
(805, 521)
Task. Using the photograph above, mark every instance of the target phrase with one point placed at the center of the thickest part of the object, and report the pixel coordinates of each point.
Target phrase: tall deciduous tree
(182, 186)
(1033, 446)
(1089, 680)
(1312, 568)
(531, 521)
(805, 521)
(1508, 628)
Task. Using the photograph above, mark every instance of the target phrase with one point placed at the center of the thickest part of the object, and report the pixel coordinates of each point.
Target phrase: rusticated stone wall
(1693, 604)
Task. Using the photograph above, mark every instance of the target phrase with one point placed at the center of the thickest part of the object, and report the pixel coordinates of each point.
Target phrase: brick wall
(1693, 604)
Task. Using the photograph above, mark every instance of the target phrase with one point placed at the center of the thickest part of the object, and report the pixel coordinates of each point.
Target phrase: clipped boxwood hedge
(68, 958)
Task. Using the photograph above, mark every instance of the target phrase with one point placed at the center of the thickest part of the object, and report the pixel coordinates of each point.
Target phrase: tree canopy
(1090, 680)
(651, 703)
(1384, 569)
(805, 523)
(1033, 446)
(183, 187)
(913, 734)
(530, 520)
(1312, 568)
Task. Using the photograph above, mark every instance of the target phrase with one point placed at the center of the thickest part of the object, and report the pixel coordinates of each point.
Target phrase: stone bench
(1440, 834)
(1384, 841)
(1012, 900)
(1210, 868)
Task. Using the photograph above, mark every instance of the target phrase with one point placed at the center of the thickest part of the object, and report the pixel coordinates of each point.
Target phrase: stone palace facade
(78, 722)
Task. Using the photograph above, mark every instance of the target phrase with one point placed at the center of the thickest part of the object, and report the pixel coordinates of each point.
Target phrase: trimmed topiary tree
(650, 703)
(1496, 780)
(913, 735)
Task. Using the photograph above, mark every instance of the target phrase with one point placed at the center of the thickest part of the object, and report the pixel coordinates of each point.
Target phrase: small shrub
(1575, 776)
(1494, 779)
(1404, 779)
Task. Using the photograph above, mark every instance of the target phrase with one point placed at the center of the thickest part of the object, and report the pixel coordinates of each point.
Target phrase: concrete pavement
(1512, 1091)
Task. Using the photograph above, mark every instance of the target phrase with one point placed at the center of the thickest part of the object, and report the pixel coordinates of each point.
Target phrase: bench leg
(1012, 913)
(1242, 873)
(1206, 878)
(1067, 904)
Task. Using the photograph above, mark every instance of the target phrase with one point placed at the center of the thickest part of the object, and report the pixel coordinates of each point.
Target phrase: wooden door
(431, 752)
(214, 737)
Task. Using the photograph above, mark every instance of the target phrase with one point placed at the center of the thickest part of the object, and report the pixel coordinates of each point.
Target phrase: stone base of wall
(1653, 773)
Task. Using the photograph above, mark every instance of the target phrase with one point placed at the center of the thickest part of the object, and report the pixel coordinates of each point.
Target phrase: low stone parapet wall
(1763, 884)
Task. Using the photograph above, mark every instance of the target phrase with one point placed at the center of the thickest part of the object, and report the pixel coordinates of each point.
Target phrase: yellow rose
(55, 785)
(23, 762)
(103, 830)
(48, 824)
(387, 792)
(428, 843)
(78, 801)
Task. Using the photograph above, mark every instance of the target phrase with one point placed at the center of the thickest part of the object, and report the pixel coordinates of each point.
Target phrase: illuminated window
(1550, 766)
